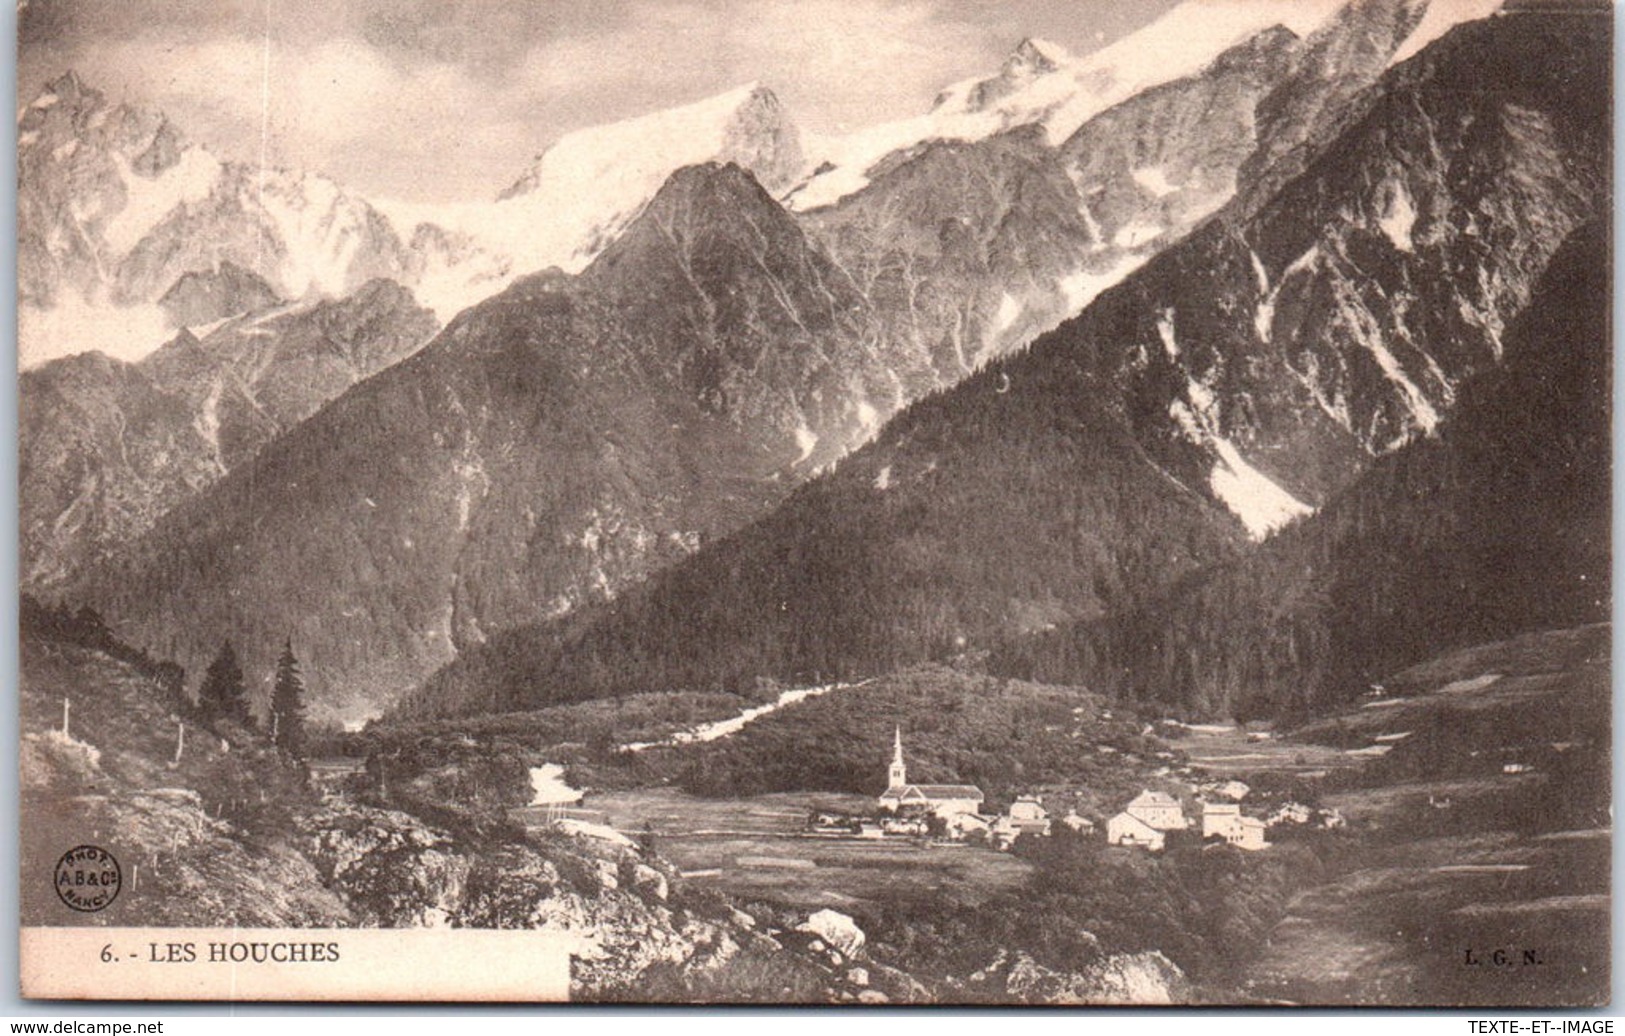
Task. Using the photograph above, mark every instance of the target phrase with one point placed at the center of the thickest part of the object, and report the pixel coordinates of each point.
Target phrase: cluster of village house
(1145, 822)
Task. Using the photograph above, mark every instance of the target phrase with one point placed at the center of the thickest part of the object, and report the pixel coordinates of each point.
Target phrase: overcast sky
(448, 99)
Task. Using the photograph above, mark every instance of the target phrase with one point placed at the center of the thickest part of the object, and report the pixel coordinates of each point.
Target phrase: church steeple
(898, 775)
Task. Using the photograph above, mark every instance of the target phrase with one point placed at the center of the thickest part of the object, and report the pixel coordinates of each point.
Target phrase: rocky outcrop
(226, 833)
(1141, 979)
(102, 451)
(836, 929)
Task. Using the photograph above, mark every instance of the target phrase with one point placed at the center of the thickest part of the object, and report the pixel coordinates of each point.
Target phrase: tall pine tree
(288, 704)
(223, 694)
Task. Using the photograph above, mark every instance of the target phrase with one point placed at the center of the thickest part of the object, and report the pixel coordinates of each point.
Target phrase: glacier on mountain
(586, 187)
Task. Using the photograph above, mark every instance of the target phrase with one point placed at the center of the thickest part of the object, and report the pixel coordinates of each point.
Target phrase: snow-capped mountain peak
(589, 184)
(116, 205)
(706, 130)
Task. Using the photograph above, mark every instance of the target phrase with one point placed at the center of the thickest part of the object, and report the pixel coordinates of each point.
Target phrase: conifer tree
(288, 704)
(223, 694)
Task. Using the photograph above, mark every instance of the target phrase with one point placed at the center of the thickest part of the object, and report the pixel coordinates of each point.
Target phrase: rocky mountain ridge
(1255, 369)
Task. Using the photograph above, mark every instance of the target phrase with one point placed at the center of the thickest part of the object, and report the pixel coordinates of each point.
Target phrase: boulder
(837, 929)
(608, 876)
(649, 880)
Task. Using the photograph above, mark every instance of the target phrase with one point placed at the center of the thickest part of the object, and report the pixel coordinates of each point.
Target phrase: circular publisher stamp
(88, 878)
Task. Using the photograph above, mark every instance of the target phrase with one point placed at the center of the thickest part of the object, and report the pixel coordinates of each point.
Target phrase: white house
(945, 800)
(1127, 829)
(1248, 834)
(1292, 813)
(1158, 810)
(1028, 815)
(1224, 819)
(1218, 818)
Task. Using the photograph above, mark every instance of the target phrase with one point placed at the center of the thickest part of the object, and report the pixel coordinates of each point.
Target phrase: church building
(944, 800)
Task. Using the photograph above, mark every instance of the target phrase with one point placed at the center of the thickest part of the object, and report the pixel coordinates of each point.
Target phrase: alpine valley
(1224, 408)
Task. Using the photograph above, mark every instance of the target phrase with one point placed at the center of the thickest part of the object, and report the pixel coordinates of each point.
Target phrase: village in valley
(957, 813)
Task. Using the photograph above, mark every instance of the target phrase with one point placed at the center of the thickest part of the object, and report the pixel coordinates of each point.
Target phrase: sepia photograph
(837, 502)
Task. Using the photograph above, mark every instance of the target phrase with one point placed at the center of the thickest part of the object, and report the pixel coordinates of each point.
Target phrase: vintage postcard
(844, 501)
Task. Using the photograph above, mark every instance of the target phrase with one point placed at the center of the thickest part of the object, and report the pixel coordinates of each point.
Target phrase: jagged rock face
(1226, 388)
(252, 378)
(963, 250)
(70, 142)
(203, 298)
(553, 444)
(1334, 64)
(1334, 322)
(761, 138)
(106, 446)
(1152, 167)
(725, 295)
(1030, 60)
(101, 450)
(299, 231)
(114, 206)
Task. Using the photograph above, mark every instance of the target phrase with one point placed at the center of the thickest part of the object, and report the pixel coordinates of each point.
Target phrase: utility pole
(66, 707)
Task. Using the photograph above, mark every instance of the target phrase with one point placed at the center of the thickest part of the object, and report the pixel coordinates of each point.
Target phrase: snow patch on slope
(1258, 502)
(1251, 496)
(806, 442)
(1154, 178)
(1009, 311)
(1165, 331)
(1398, 214)
(1081, 288)
(734, 724)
